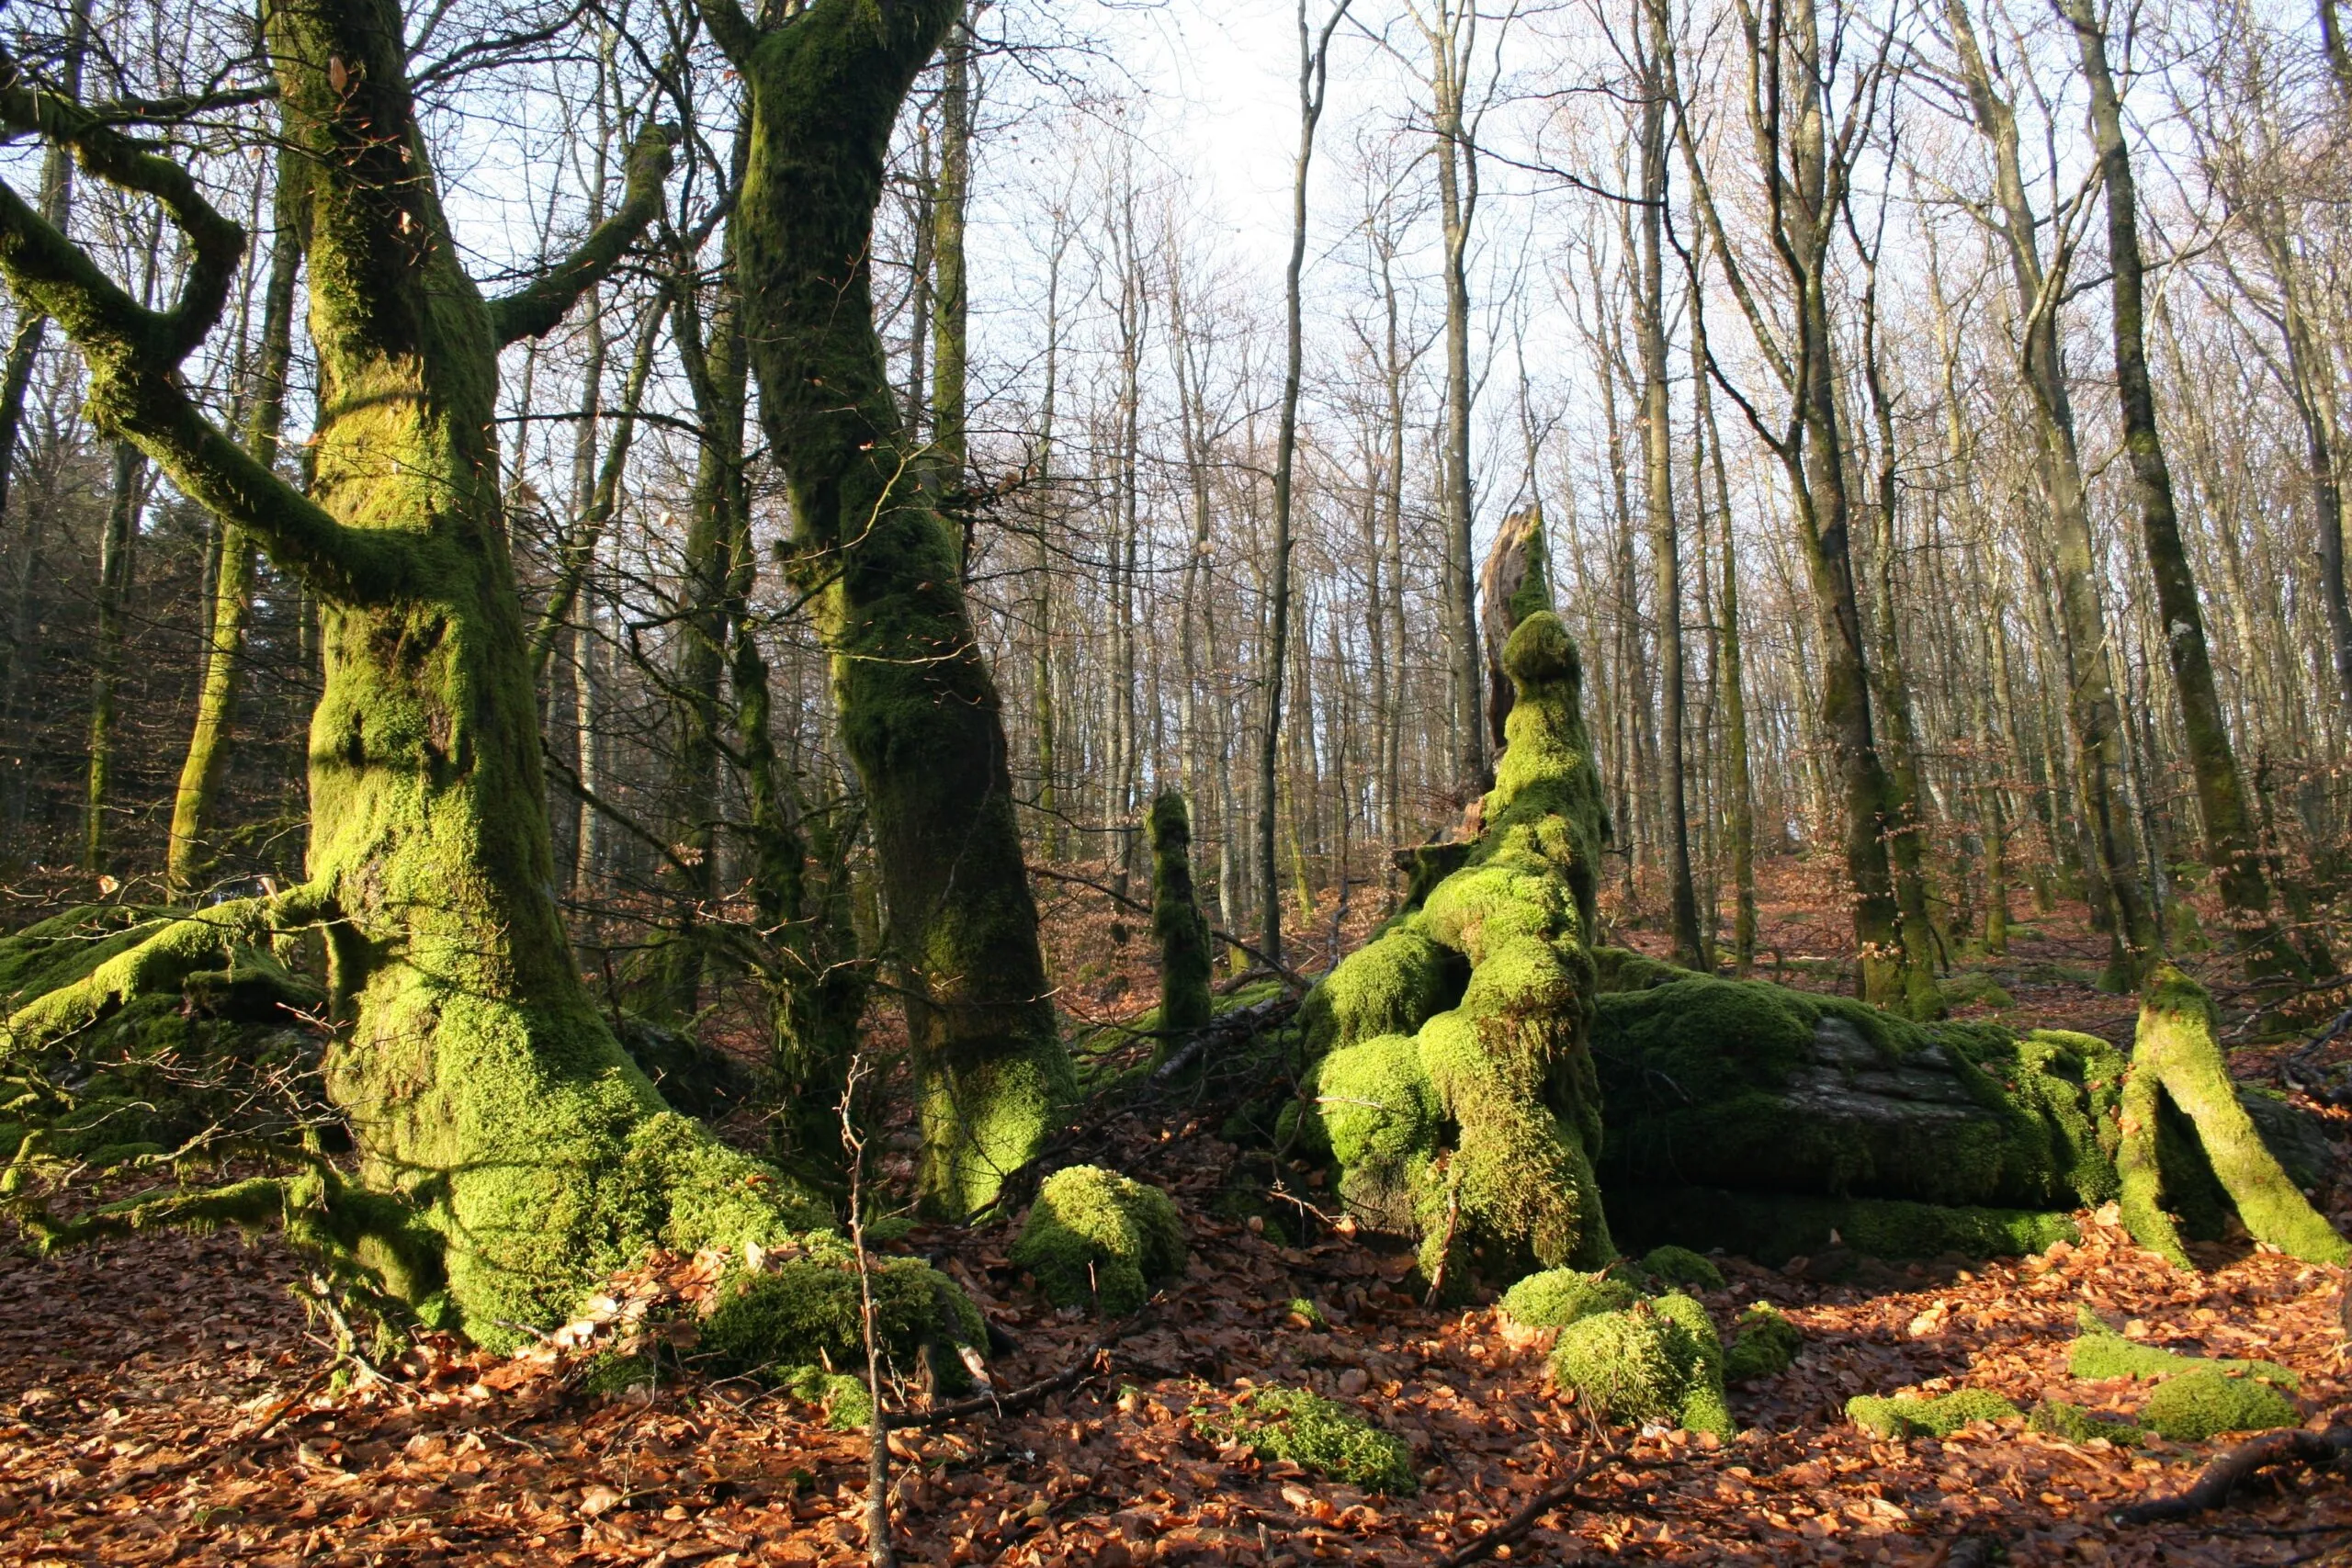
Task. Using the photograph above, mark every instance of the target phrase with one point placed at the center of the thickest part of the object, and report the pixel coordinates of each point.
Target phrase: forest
(1403, 782)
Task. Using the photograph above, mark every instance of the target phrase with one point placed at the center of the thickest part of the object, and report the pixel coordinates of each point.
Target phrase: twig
(1021, 1398)
(1519, 1523)
(2223, 1475)
(880, 1552)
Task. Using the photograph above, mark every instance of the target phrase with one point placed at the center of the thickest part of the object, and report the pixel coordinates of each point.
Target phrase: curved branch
(533, 309)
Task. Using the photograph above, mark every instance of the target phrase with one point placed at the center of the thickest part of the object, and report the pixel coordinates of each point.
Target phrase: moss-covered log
(1452, 1080)
(920, 712)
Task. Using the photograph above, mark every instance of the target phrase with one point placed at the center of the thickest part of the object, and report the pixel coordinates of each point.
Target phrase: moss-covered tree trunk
(478, 1078)
(920, 713)
(115, 547)
(1182, 934)
(206, 767)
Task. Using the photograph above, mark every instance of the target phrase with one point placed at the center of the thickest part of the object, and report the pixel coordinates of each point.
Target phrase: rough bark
(1185, 960)
(919, 711)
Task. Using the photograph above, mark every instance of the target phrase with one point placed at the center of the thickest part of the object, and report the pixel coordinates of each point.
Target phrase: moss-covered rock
(1773, 1228)
(1681, 1266)
(1908, 1416)
(1557, 1297)
(1658, 1361)
(1095, 1236)
(2199, 1404)
(1300, 1425)
(1764, 1345)
(2058, 1420)
(808, 1311)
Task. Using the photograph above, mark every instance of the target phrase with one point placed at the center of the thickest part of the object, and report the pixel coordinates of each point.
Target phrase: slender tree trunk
(116, 548)
(1739, 797)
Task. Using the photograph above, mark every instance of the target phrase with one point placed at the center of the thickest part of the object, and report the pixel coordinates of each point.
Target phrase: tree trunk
(918, 712)
(117, 544)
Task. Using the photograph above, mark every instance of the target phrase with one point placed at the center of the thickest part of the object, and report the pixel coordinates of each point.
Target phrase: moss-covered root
(1907, 1415)
(1303, 1427)
(1096, 1237)
(2200, 1405)
(2176, 1055)
(1176, 924)
(1656, 1362)
(1764, 1345)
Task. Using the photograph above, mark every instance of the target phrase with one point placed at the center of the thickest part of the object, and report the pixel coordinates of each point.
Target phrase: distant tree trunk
(116, 545)
(2231, 846)
(1738, 793)
(1182, 934)
(205, 769)
(24, 343)
(1040, 695)
(949, 303)
(920, 715)
(1457, 184)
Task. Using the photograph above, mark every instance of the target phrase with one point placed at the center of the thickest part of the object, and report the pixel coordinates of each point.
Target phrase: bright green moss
(1389, 986)
(1557, 1297)
(2199, 1404)
(1627, 1367)
(1300, 1425)
(1681, 1266)
(1618, 969)
(1697, 1352)
(1764, 1345)
(1095, 1236)
(2076, 1425)
(847, 1403)
(2101, 1354)
(810, 1310)
(1907, 1415)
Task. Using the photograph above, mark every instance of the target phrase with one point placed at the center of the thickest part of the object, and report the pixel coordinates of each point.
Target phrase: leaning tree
(509, 1149)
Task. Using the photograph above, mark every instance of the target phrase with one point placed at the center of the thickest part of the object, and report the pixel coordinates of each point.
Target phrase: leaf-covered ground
(165, 1400)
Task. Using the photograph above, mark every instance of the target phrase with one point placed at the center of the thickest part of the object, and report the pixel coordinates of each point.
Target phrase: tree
(510, 1150)
(920, 713)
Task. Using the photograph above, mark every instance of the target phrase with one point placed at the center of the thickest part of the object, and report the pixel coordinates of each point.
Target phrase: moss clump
(1656, 1362)
(1764, 1345)
(1681, 1266)
(2101, 1354)
(2196, 1405)
(1094, 1234)
(1559, 1297)
(808, 1309)
(1300, 1425)
(2177, 1062)
(846, 1402)
(1907, 1415)
(2058, 1420)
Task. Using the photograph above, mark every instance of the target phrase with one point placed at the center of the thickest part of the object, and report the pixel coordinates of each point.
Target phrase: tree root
(2225, 1475)
(1519, 1523)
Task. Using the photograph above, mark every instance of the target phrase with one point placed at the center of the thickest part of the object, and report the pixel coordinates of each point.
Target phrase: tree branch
(533, 309)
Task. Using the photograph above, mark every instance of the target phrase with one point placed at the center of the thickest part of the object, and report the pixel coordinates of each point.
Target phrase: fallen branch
(1021, 1398)
(2225, 1475)
(1519, 1523)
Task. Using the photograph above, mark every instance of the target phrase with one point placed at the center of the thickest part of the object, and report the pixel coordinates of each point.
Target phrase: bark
(2231, 846)
(205, 769)
(950, 303)
(920, 714)
(117, 544)
(1457, 178)
(1185, 960)
(481, 1083)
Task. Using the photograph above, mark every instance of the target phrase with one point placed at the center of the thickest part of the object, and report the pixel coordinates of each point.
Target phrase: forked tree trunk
(920, 713)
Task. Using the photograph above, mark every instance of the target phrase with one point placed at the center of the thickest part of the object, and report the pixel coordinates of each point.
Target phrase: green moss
(1697, 1352)
(1907, 1416)
(1974, 988)
(1557, 1297)
(610, 1372)
(1617, 969)
(1772, 1227)
(1095, 1236)
(1390, 986)
(1303, 1427)
(1654, 1361)
(2101, 1354)
(2076, 1425)
(846, 1402)
(1764, 1345)
(1681, 1266)
(2199, 1404)
(1307, 1311)
(808, 1311)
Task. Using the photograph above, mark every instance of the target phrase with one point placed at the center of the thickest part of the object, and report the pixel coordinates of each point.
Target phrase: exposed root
(2233, 1470)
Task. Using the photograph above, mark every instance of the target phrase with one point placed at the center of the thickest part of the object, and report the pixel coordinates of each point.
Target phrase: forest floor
(165, 1400)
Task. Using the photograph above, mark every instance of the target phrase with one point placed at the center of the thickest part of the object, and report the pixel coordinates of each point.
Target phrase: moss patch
(1557, 1297)
(1314, 1433)
(1907, 1415)
(1773, 1228)
(2197, 1405)
(1681, 1266)
(1656, 1362)
(808, 1311)
(1095, 1235)
(2058, 1420)
(2102, 1355)
(1764, 1345)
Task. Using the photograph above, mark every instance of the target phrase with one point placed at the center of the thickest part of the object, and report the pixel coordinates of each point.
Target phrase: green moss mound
(1764, 1345)
(1907, 1415)
(1094, 1234)
(846, 1402)
(2058, 1420)
(1302, 1426)
(2099, 1354)
(1681, 1266)
(2199, 1404)
(1656, 1361)
(807, 1311)
(1559, 1297)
